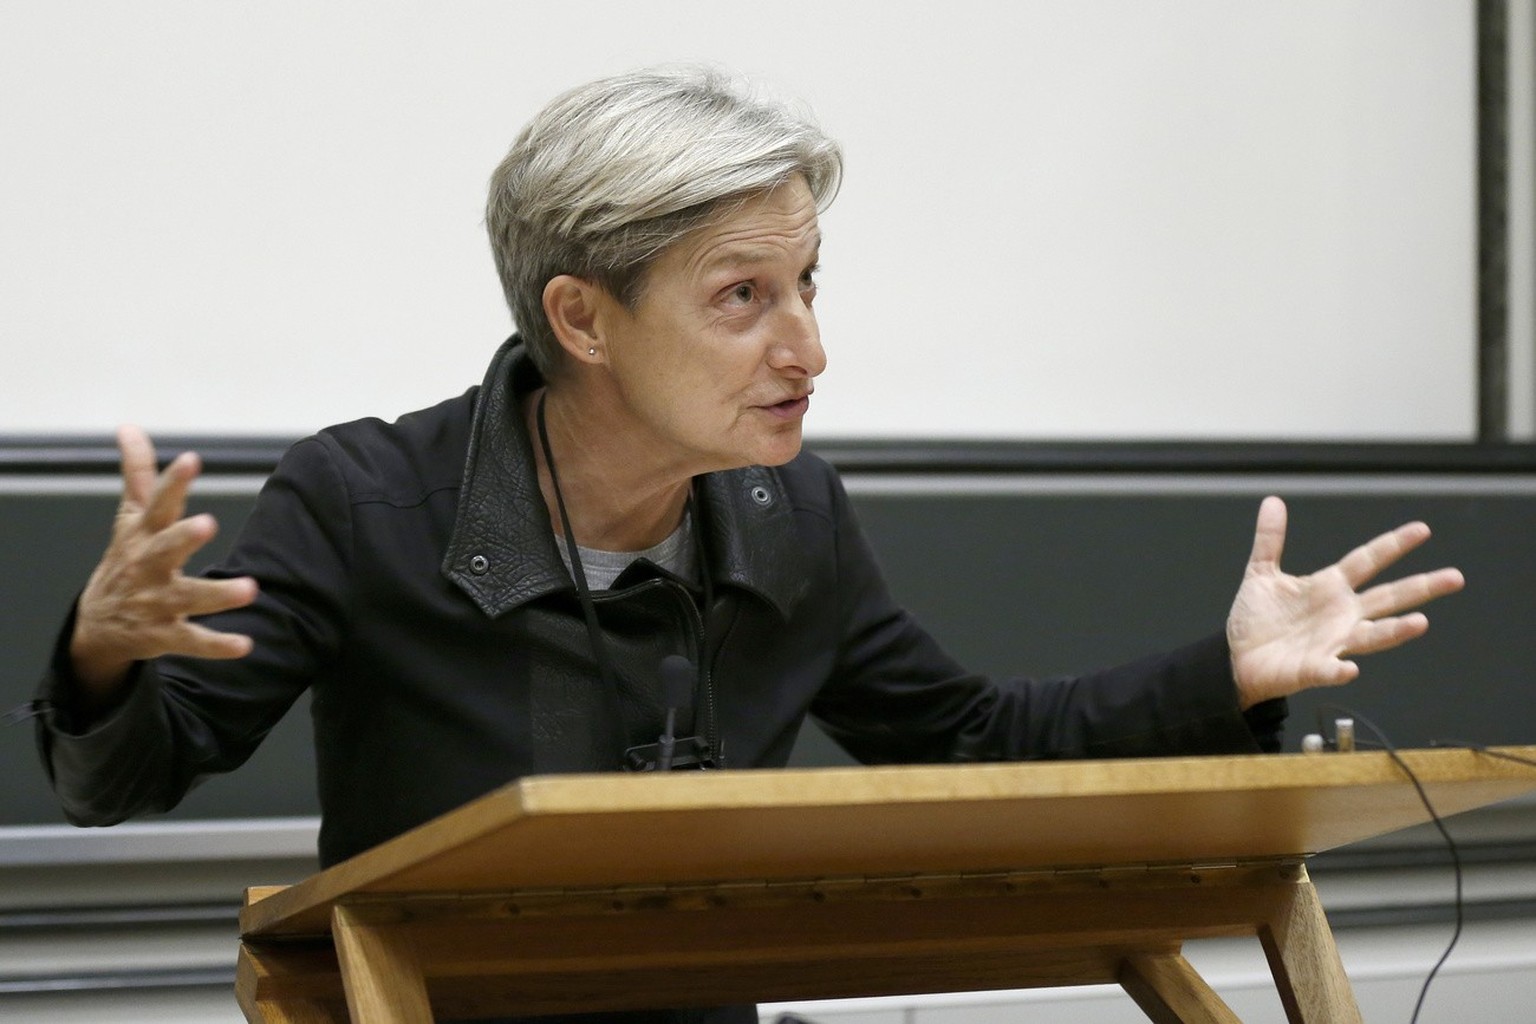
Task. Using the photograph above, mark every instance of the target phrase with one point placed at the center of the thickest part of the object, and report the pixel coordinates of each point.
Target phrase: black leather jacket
(409, 577)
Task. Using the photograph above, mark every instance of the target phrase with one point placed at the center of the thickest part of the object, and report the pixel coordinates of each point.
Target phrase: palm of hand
(1289, 630)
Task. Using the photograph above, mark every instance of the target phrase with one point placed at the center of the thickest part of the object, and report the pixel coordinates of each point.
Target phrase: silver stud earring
(591, 351)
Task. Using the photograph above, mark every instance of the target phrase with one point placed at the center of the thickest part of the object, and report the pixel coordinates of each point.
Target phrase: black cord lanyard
(600, 652)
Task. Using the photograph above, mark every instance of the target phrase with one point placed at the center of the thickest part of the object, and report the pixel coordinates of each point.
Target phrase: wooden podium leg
(1308, 972)
(287, 986)
(379, 970)
(1170, 991)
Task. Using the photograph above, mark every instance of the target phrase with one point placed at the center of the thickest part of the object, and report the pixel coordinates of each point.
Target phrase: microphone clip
(689, 752)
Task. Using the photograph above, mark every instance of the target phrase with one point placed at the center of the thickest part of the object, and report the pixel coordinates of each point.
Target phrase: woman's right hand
(138, 603)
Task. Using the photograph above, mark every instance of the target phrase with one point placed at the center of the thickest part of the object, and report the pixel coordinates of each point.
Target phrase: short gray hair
(612, 173)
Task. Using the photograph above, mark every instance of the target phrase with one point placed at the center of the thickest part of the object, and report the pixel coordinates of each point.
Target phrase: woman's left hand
(1289, 633)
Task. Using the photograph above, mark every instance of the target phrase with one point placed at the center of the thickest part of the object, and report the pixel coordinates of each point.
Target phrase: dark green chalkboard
(1028, 582)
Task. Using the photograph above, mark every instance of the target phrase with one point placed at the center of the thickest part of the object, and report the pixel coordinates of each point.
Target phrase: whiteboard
(1090, 219)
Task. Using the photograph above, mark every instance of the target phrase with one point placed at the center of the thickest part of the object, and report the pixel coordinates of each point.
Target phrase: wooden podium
(600, 892)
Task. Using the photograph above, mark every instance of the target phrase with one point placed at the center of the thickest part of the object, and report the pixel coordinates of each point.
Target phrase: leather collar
(502, 553)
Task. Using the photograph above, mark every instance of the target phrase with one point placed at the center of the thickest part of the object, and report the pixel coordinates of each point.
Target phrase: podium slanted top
(593, 831)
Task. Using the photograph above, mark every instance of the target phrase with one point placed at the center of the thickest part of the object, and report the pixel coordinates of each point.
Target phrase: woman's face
(714, 365)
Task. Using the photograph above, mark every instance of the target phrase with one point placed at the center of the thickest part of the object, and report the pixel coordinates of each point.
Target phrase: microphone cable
(1450, 844)
(1482, 749)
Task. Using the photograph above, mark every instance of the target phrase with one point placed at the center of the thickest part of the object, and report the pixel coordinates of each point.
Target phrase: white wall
(1522, 220)
(1062, 218)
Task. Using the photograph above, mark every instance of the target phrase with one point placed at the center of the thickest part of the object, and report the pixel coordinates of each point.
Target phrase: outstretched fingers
(1409, 592)
(168, 500)
(199, 641)
(152, 500)
(1334, 672)
(168, 549)
(137, 457)
(1371, 637)
(1268, 535)
(1366, 561)
(197, 596)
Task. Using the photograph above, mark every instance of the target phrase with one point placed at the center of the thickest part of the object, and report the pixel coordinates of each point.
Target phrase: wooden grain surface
(547, 952)
(1169, 991)
(556, 832)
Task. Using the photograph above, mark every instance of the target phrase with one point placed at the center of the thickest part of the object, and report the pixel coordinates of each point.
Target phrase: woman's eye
(743, 293)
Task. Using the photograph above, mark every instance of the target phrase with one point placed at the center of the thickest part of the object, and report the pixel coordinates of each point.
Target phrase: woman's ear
(571, 305)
